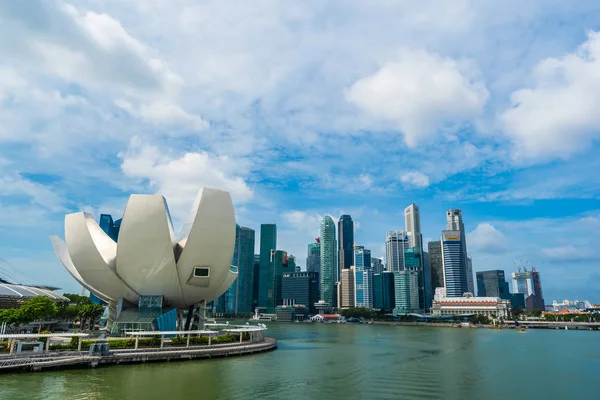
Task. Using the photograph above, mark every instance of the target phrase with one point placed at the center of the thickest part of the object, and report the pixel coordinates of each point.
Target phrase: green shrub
(60, 347)
(85, 344)
(226, 338)
(4, 346)
(122, 343)
(178, 341)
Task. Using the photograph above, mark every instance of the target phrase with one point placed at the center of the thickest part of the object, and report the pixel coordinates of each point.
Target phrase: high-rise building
(492, 284)
(301, 288)
(348, 288)
(298, 269)
(362, 257)
(328, 261)
(255, 280)
(245, 266)
(292, 262)
(345, 242)
(455, 270)
(412, 220)
(268, 243)
(363, 280)
(383, 291)
(109, 227)
(528, 283)
(436, 265)
(470, 283)
(413, 261)
(313, 261)
(454, 222)
(406, 290)
(395, 243)
(278, 266)
(230, 297)
(377, 265)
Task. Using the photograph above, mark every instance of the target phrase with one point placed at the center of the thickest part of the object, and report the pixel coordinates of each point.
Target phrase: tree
(516, 312)
(12, 316)
(36, 309)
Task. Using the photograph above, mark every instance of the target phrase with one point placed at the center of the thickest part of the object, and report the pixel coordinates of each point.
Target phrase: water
(329, 361)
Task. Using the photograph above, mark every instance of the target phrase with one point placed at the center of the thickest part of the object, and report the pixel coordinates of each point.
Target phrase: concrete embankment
(53, 361)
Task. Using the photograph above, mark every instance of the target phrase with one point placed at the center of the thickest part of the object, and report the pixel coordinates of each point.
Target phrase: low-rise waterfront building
(493, 307)
(291, 313)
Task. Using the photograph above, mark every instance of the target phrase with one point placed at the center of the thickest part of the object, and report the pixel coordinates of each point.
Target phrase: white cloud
(302, 220)
(179, 178)
(568, 253)
(559, 113)
(487, 239)
(12, 184)
(421, 92)
(414, 179)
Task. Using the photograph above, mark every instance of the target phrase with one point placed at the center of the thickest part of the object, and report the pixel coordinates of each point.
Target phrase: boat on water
(520, 328)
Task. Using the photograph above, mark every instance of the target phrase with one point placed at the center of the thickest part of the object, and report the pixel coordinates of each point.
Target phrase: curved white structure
(147, 260)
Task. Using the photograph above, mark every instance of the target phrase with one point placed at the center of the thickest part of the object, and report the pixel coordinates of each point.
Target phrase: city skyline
(99, 100)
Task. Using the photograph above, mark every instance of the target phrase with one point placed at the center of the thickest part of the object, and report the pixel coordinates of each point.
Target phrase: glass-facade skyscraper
(406, 288)
(436, 267)
(346, 243)
(268, 243)
(455, 270)
(492, 284)
(395, 243)
(363, 282)
(245, 278)
(301, 288)
(454, 222)
(109, 227)
(328, 261)
(278, 266)
(383, 291)
(313, 260)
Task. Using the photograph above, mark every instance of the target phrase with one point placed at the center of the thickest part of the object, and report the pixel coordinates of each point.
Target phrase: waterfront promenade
(57, 360)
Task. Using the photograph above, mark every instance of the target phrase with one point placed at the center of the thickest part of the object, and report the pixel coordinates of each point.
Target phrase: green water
(326, 361)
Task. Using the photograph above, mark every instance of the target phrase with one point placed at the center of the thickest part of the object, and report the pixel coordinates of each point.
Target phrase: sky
(306, 109)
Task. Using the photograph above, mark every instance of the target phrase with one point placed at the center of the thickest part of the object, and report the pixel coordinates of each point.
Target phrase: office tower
(454, 222)
(428, 290)
(301, 288)
(345, 242)
(492, 284)
(522, 282)
(362, 257)
(377, 265)
(328, 261)
(313, 261)
(292, 262)
(230, 297)
(470, 284)
(383, 291)
(245, 270)
(455, 270)
(406, 290)
(413, 261)
(255, 281)
(348, 288)
(268, 243)
(435, 264)
(298, 269)
(278, 266)
(363, 280)
(109, 227)
(395, 243)
(412, 220)
(537, 285)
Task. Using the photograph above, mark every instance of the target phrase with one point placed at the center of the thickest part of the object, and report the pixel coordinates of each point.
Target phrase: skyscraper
(377, 265)
(278, 266)
(362, 257)
(406, 288)
(109, 227)
(348, 288)
(230, 297)
(455, 270)
(470, 283)
(435, 264)
(268, 243)
(245, 269)
(313, 261)
(363, 294)
(328, 261)
(412, 219)
(454, 222)
(301, 288)
(255, 281)
(395, 243)
(492, 284)
(345, 242)
(529, 284)
(383, 291)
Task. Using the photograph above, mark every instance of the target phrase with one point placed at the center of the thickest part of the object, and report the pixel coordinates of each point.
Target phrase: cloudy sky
(303, 109)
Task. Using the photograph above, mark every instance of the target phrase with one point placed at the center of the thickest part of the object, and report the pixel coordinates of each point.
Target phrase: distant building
(492, 307)
(239, 295)
(436, 265)
(109, 227)
(377, 265)
(364, 287)
(291, 313)
(278, 266)
(412, 220)
(470, 285)
(313, 260)
(347, 288)
(383, 291)
(529, 284)
(406, 292)
(362, 257)
(454, 263)
(345, 243)
(268, 243)
(301, 288)
(454, 222)
(298, 269)
(395, 243)
(492, 284)
(328, 262)
(255, 281)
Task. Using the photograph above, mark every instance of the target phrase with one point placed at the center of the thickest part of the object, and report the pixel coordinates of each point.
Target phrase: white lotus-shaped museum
(148, 260)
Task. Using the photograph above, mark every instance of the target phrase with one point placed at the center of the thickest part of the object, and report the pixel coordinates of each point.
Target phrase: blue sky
(303, 109)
